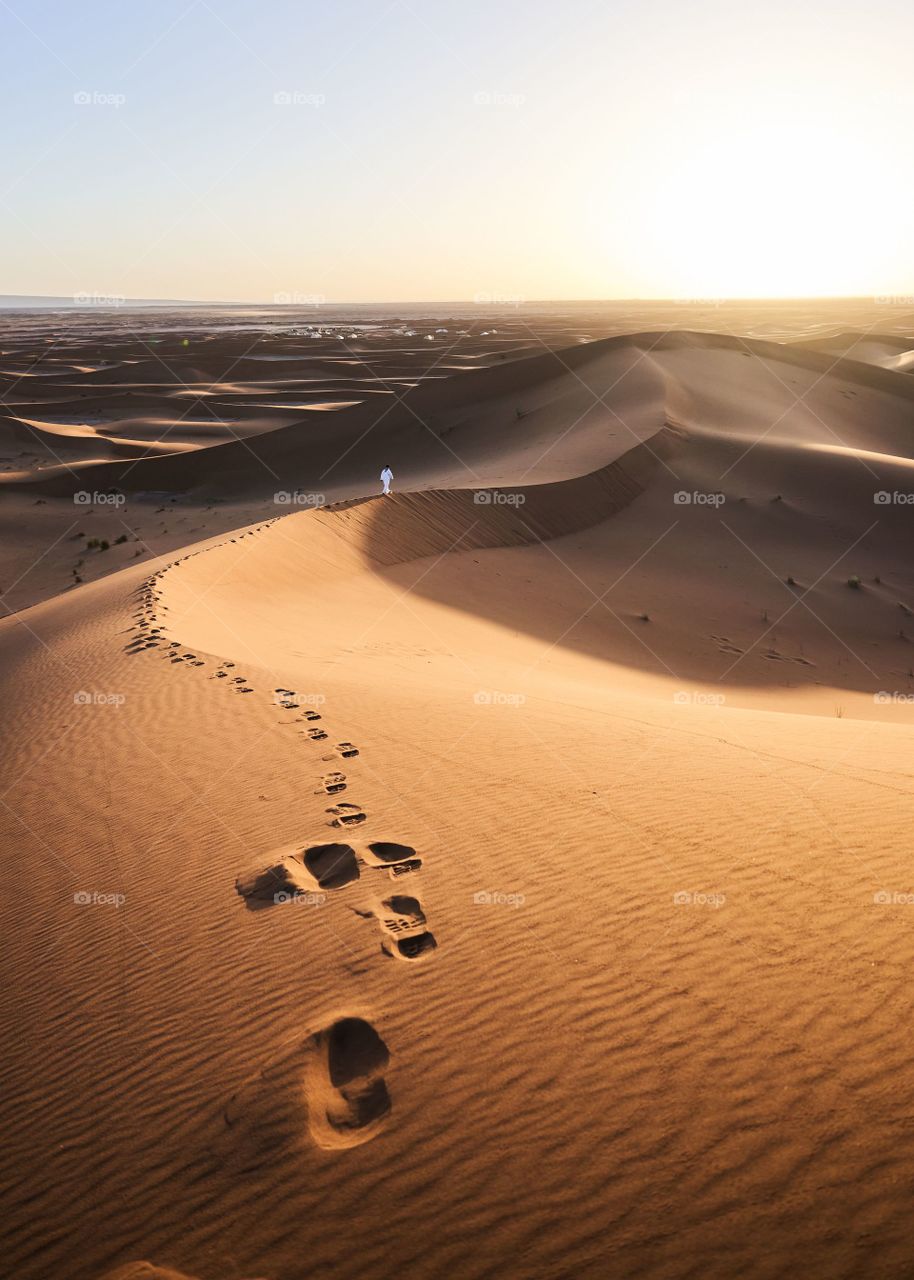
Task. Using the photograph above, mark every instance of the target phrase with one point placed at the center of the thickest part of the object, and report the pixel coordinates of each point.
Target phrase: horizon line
(499, 302)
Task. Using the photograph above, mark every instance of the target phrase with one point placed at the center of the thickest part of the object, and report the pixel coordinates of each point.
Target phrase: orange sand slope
(509, 876)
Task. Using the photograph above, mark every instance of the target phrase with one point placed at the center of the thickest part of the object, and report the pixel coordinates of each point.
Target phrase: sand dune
(511, 875)
(884, 350)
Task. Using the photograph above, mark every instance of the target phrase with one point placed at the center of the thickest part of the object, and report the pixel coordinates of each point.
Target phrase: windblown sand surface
(508, 877)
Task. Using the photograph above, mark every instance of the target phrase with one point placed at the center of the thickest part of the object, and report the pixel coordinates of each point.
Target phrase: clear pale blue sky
(455, 148)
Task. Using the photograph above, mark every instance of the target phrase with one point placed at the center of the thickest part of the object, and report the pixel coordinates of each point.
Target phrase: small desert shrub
(854, 582)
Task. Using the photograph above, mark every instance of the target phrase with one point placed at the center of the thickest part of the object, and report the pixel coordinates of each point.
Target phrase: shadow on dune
(800, 577)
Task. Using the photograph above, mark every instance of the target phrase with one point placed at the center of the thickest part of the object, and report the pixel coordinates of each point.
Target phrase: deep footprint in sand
(348, 1100)
(401, 914)
(403, 921)
(397, 859)
(293, 871)
(333, 783)
(277, 882)
(414, 946)
(346, 815)
(347, 750)
(332, 865)
(316, 735)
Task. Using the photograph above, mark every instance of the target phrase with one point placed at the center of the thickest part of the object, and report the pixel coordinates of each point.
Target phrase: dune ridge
(430, 522)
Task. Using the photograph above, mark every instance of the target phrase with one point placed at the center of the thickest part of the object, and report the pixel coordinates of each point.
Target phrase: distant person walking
(386, 476)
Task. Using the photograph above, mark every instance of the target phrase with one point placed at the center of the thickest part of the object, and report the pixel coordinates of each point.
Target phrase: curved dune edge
(348, 538)
(410, 526)
(226, 467)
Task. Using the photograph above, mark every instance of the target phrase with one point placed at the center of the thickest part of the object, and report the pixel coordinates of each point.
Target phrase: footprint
(347, 750)
(348, 1100)
(398, 859)
(402, 914)
(347, 815)
(332, 865)
(333, 783)
(276, 883)
(403, 921)
(386, 852)
(317, 735)
(411, 947)
(404, 868)
(726, 645)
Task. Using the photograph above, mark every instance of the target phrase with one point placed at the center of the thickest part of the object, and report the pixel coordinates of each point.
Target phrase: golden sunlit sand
(508, 876)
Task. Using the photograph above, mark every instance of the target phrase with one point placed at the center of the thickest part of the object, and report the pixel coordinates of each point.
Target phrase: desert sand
(510, 876)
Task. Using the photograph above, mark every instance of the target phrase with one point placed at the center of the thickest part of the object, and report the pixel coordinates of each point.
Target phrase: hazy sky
(451, 149)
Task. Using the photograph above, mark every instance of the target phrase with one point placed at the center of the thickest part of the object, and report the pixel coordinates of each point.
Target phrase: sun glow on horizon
(634, 149)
